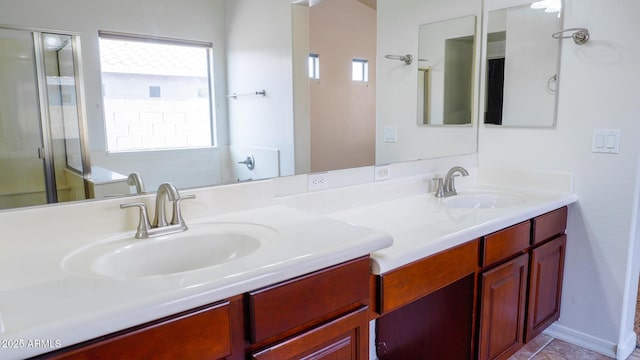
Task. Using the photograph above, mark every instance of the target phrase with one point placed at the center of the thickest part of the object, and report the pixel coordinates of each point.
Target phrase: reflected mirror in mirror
(522, 66)
(445, 71)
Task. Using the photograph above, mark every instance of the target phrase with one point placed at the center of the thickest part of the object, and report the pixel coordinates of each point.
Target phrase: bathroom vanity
(323, 315)
(303, 290)
(512, 276)
(465, 278)
(482, 299)
(456, 280)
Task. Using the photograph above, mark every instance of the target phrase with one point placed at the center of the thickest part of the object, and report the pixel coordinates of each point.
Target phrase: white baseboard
(581, 339)
(626, 348)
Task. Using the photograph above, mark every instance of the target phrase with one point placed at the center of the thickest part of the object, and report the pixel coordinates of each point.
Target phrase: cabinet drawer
(200, 334)
(308, 300)
(506, 243)
(412, 281)
(549, 225)
(344, 338)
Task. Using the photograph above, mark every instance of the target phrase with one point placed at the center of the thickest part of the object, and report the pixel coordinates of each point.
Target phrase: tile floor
(544, 347)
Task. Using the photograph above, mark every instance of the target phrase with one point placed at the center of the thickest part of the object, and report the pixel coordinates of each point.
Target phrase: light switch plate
(606, 141)
(390, 134)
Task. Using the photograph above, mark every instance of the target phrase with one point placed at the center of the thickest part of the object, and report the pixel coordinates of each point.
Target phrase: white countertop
(421, 226)
(43, 301)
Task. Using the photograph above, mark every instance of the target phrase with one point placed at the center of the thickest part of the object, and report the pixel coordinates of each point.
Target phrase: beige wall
(342, 111)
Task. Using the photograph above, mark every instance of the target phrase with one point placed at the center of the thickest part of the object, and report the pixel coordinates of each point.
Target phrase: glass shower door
(42, 158)
(22, 172)
(63, 115)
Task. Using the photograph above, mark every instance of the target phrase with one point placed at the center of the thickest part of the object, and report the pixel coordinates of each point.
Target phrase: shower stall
(42, 155)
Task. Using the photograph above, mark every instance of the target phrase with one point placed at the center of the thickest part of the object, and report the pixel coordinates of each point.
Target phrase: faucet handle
(439, 187)
(143, 225)
(176, 216)
(188, 197)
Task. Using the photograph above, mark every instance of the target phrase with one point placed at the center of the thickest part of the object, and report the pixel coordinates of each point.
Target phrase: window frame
(364, 75)
(314, 59)
(208, 46)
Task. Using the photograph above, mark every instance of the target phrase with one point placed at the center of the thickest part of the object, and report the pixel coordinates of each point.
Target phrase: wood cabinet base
(436, 326)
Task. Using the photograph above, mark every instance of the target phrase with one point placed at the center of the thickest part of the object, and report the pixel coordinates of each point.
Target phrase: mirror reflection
(262, 99)
(401, 133)
(445, 71)
(40, 154)
(342, 95)
(522, 66)
(237, 89)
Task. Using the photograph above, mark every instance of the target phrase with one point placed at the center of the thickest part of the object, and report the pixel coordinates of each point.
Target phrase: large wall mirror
(521, 66)
(262, 98)
(446, 71)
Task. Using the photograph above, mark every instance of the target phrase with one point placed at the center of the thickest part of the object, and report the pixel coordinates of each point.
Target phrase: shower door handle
(41, 154)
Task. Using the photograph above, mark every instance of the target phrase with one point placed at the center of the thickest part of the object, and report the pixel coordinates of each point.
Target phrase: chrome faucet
(448, 188)
(160, 225)
(135, 179)
(169, 191)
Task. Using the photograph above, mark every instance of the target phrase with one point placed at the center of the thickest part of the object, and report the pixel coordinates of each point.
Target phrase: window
(360, 70)
(314, 66)
(156, 93)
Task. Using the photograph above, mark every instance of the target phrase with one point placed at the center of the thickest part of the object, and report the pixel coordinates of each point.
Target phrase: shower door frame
(46, 153)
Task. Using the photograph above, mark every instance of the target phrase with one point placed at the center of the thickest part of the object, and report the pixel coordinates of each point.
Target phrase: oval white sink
(483, 200)
(200, 247)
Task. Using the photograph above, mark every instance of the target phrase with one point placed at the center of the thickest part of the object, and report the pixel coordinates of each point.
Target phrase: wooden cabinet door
(502, 312)
(346, 338)
(545, 286)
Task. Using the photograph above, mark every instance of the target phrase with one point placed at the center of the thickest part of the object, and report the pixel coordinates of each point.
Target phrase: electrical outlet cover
(382, 172)
(318, 181)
